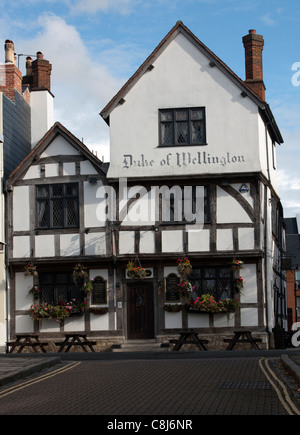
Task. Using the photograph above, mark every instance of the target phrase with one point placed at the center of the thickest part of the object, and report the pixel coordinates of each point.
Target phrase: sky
(94, 46)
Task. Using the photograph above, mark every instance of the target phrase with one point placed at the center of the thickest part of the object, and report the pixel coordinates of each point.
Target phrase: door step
(140, 346)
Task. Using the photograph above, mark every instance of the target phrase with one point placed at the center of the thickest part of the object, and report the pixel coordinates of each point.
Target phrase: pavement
(14, 367)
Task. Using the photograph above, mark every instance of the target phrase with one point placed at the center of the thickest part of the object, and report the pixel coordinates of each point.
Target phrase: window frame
(73, 290)
(218, 291)
(49, 199)
(176, 122)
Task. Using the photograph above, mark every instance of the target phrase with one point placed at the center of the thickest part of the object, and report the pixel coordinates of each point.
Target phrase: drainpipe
(266, 238)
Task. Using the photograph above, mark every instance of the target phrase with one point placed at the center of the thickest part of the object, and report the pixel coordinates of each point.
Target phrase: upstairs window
(179, 127)
(57, 206)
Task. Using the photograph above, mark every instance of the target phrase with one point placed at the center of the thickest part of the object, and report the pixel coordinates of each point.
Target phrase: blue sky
(96, 45)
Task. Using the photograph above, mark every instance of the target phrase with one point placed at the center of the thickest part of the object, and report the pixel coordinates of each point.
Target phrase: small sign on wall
(171, 288)
(99, 293)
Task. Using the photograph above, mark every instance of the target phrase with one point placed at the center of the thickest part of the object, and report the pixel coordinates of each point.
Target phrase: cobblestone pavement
(152, 387)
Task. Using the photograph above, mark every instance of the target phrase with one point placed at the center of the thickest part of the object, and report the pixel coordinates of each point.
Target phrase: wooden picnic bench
(27, 340)
(242, 337)
(75, 339)
(189, 337)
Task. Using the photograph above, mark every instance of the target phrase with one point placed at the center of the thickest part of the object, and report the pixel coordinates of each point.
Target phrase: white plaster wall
(173, 320)
(94, 214)
(172, 241)
(69, 245)
(249, 316)
(126, 242)
(225, 240)
(246, 238)
(99, 272)
(198, 320)
(224, 321)
(99, 322)
(147, 242)
(21, 246)
(24, 324)
(86, 168)
(168, 270)
(74, 324)
(52, 170)
(182, 77)
(23, 284)
(49, 325)
(44, 246)
(229, 210)
(58, 147)
(21, 208)
(198, 241)
(33, 172)
(95, 244)
(69, 168)
(249, 292)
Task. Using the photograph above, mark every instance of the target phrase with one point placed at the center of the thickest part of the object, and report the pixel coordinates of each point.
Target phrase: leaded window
(216, 281)
(57, 205)
(184, 126)
(57, 287)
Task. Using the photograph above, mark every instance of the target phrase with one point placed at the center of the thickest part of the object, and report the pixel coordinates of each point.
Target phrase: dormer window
(179, 127)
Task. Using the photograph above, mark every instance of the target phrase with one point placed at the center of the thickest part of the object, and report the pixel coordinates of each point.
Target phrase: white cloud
(82, 85)
(93, 6)
(266, 19)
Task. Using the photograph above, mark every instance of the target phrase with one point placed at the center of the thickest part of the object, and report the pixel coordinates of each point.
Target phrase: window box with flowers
(98, 310)
(173, 308)
(58, 312)
(208, 304)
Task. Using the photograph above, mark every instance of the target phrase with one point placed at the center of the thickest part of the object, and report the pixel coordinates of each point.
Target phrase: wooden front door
(140, 318)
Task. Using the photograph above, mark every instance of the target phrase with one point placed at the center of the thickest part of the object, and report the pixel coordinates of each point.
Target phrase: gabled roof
(56, 130)
(215, 61)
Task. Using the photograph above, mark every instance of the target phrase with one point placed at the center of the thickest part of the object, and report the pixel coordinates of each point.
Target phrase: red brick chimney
(254, 44)
(41, 73)
(11, 76)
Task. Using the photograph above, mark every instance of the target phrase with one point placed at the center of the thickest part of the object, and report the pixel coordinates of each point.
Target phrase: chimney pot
(9, 51)
(252, 31)
(40, 55)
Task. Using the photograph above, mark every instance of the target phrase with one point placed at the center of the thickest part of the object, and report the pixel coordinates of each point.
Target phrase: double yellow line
(30, 382)
(283, 394)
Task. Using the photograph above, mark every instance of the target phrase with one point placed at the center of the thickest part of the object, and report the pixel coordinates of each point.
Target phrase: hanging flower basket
(236, 264)
(185, 288)
(239, 283)
(184, 266)
(135, 272)
(80, 272)
(30, 270)
(35, 292)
